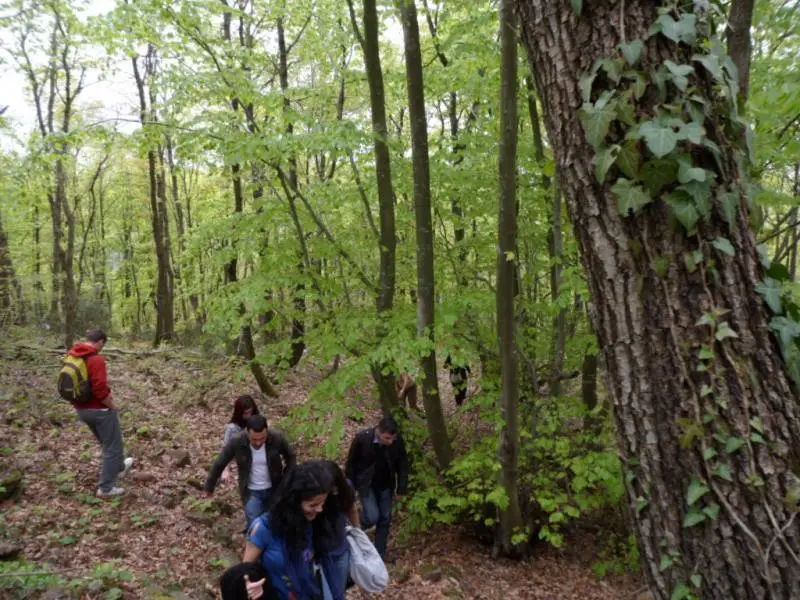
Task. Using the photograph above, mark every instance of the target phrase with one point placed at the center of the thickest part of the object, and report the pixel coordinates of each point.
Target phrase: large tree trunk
(424, 224)
(511, 517)
(383, 173)
(687, 436)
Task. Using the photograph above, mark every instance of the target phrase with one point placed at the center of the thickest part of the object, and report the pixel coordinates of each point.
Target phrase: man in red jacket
(102, 416)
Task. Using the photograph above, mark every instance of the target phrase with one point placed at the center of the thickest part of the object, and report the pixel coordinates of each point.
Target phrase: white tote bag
(366, 565)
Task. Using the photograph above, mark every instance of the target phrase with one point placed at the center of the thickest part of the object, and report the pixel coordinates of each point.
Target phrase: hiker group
(305, 535)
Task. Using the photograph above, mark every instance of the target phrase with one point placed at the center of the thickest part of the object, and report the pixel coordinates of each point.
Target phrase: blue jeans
(256, 504)
(335, 570)
(378, 511)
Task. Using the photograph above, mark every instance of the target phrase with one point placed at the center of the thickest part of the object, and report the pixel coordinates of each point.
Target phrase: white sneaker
(128, 462)
(112, 493)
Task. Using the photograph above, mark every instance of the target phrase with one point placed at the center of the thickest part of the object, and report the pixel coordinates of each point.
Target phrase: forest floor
(163, 539)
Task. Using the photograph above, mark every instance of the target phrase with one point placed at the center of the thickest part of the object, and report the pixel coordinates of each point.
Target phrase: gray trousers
(105, 427)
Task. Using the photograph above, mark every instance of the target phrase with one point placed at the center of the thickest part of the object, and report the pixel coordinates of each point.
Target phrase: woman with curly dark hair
(280, 549)
(330, 532)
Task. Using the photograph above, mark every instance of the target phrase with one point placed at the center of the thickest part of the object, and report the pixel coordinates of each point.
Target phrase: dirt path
(163, 539)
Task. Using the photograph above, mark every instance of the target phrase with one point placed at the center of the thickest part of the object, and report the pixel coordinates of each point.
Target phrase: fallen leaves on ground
(166, 534)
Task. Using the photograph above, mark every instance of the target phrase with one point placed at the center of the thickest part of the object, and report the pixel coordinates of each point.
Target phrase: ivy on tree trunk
(707, 420)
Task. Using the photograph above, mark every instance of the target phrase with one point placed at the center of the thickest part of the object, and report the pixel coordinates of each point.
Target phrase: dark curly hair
(303, 482)
(329, 526)
(241, 404)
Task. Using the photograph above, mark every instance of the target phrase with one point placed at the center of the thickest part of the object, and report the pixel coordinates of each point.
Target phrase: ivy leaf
(603, 161)
(725, 332)
(577, 7)
(630, 198)
(679, 74)
(629, 159)
(771, 290)
(733, 444)
(687, 173)
(684, 210)
(639, 86)
(613, 68)
(693, 132)
(700, 192)
(696, 579)
(778, 272)
(666, 563)
(632, 51)
(730, 205)
(697, 489)
(597, 119)
(656, 174)
(681, 592)
(683, 30)
(723, 472)
(660, 140)
(711, 511)
(788, 330)
(693, 518)
(724, 245)
(711, 64)
(709, 453)
(585, 85)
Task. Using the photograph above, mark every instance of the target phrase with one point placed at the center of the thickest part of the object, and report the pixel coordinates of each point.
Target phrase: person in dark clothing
(377, 467)
(262, 456)
(101, 414)
(459, 379)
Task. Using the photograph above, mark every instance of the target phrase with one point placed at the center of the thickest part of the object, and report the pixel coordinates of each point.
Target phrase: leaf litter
(169, 537)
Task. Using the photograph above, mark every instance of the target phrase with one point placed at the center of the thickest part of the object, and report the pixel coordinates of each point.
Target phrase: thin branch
(354, 22)
(362, 192)
(289, 189)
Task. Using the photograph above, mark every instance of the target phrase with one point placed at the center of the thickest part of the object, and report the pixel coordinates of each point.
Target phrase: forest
(590, 204)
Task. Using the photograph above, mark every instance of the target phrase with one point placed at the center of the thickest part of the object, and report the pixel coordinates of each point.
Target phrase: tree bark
(165, 315)
(511, 517)
(8, 283)
(740, 46)
(424, 226)
(674, 436)
(387, 242)
(299, 301)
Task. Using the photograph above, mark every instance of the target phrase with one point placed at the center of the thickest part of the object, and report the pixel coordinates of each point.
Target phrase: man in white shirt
(262, 455)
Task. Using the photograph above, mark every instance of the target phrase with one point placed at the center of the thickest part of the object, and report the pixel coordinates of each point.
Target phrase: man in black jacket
(263, 455)
(377, 466)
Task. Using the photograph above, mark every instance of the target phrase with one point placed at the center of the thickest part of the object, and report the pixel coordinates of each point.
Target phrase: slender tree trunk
(165, 319)
(37, 263)
(177, 283)
(55, 266)
(740, 46)
(246, 347)
(559, 340)
(299, 301)
(706, 496)
(8, 282)
(387, 245)
(66, 254)
(424, 225)
(511, 517)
